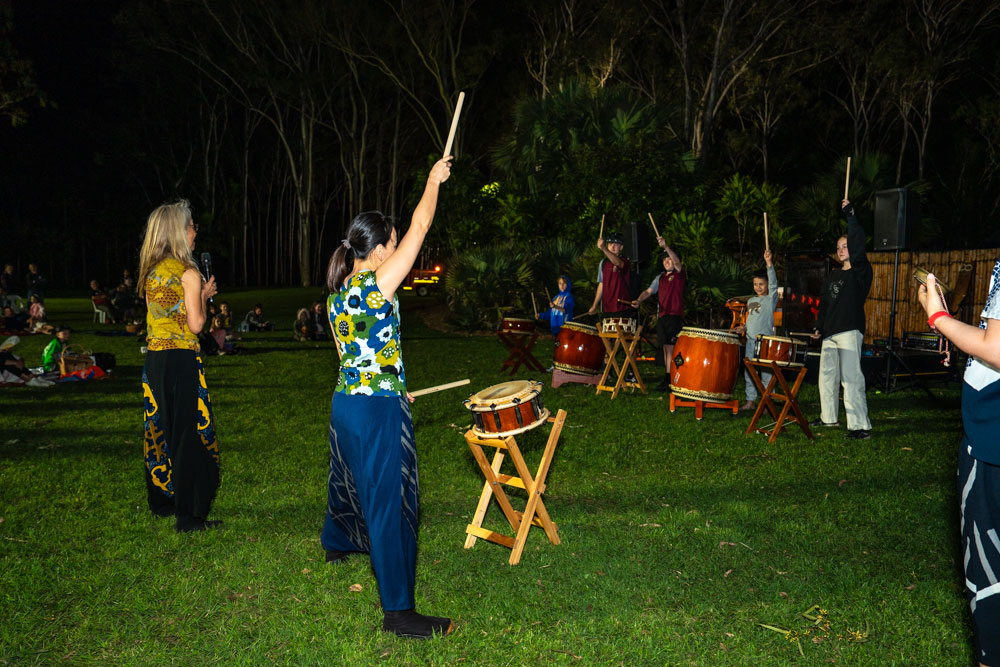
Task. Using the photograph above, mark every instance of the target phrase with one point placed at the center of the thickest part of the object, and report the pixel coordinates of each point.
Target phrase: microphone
(206, 267)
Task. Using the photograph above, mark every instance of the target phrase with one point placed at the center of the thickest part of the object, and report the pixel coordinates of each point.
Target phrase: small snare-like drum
(507, 408)
(782, 351)
(626, 325)
(517, 325)
(579, 349)
(705, 364)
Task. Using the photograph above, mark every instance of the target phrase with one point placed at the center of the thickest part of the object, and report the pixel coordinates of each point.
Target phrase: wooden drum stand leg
(534, 511)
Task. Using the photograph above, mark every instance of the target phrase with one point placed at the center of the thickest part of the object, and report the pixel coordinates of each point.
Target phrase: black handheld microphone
(206, 267)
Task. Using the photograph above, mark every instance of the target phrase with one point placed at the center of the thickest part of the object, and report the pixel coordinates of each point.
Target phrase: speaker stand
(892, 356)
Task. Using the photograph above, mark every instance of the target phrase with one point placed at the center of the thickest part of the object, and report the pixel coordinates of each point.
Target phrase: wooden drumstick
(625, 302)
(600, 234)
(440, 387)
(653, 223)
(847, 177)
(534, 305)
(767, 243)
(547, 295)
(454, 124)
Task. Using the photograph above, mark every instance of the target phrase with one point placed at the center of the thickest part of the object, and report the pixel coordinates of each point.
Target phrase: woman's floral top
(366, 328)
(166, 316)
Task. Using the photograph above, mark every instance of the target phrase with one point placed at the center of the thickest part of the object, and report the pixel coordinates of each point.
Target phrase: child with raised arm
(669, 290)
(760, 321)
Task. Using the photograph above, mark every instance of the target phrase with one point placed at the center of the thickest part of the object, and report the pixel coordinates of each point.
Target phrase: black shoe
(334, 556)
(410, 624)
(859, 434)
(198, 526)
(663, 386)
(819, 422)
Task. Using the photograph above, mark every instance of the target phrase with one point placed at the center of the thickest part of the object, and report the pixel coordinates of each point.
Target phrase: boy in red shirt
(669, 290)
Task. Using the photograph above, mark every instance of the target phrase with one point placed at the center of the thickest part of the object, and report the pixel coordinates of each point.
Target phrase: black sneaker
(410, 624)
(663, 386)
(819, 422)
(334, 556)
(860, 434)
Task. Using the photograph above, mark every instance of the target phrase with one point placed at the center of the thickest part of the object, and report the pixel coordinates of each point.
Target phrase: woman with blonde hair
(179, 444)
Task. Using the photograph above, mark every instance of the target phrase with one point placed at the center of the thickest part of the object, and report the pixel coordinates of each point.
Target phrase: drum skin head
(503, 394)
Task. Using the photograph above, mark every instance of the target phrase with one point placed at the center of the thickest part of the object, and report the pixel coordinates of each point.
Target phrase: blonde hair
(166, 236)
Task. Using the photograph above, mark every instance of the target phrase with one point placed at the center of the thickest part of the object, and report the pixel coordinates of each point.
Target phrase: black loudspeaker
(896, 214)
(637, 243)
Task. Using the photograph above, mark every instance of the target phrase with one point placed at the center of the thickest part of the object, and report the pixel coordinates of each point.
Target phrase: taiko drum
(705, 364)
(507, 408)
(517, 325)
(579, 349)
(780, 350)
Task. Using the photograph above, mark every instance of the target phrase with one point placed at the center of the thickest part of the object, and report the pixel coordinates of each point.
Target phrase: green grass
(678, 538)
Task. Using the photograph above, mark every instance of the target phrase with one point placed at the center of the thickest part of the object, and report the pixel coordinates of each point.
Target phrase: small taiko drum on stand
(627, 325)
(517, 325)
(782, 351)
(579, 349)
(705, 364)
(507, 408)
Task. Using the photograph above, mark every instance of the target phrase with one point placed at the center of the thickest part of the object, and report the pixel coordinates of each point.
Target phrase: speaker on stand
(896, 214)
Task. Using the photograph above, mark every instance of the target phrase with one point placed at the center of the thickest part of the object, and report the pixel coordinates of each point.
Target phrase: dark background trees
(282, 119)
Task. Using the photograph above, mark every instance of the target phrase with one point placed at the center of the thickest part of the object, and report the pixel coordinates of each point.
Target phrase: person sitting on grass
(560, 308)
(669, 290)
(14, 321)
(226, 315)
(302, 327)
(255, 321)
(53, 351)
(319, 321)
(978, 457)
(13, 369)
(760, 321)
(219, 334)
(36, 316)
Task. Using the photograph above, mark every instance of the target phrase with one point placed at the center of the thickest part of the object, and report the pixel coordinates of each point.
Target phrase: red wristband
(934, 318)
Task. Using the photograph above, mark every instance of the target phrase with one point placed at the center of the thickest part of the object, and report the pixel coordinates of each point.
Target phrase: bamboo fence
(909, 315)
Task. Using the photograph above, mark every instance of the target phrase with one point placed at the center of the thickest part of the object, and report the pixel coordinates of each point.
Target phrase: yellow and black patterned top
(166, 316)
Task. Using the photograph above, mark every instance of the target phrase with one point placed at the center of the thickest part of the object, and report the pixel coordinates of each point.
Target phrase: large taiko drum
(579, 349)
(705, 364)
(782, 351)
(517, 325)
(507, 408)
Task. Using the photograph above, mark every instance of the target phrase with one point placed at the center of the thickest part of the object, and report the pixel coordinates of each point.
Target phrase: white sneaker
(39, 382)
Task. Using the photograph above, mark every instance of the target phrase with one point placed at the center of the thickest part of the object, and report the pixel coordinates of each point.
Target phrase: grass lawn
(679, 538)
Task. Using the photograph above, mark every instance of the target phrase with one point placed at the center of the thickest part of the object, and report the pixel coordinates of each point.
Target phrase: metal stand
(892, 357)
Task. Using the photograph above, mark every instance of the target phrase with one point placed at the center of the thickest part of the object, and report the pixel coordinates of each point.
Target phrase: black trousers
(180, 448)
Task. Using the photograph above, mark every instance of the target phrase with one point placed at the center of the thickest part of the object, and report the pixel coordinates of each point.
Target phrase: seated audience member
(13, 368)
(226, 315)
(207, 344)
(255, 321)
(101, 300)
(320, 321)
(8, 281)
(37, 315)
(302, 327)
(14, 321)
(220, 335)
(125, 302)
(35, 281)
(53, 351)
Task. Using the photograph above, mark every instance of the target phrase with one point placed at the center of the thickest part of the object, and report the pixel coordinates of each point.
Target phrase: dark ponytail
(367, 231)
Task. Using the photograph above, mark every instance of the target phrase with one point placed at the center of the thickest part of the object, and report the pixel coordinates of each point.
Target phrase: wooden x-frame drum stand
(534, 513)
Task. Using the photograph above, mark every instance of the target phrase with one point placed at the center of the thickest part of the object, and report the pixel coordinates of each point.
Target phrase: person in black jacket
(841, 325)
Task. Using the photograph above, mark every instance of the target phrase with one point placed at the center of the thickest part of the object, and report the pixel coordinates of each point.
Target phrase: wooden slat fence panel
(909, 315)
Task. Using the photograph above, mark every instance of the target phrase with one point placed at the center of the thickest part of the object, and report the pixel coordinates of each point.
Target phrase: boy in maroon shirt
(613, 283)
(669, 290)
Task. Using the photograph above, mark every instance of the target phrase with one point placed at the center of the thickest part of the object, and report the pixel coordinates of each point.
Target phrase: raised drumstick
(440, 387)
(600, 234)
(847, 176)
(454, 124)
(534, 305)
(767, 243)
(653, 223)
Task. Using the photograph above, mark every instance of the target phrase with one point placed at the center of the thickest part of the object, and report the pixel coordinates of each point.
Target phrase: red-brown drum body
(507, 408)
(782, 351)
(517, 325)
(579, 349)
(705, 364)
